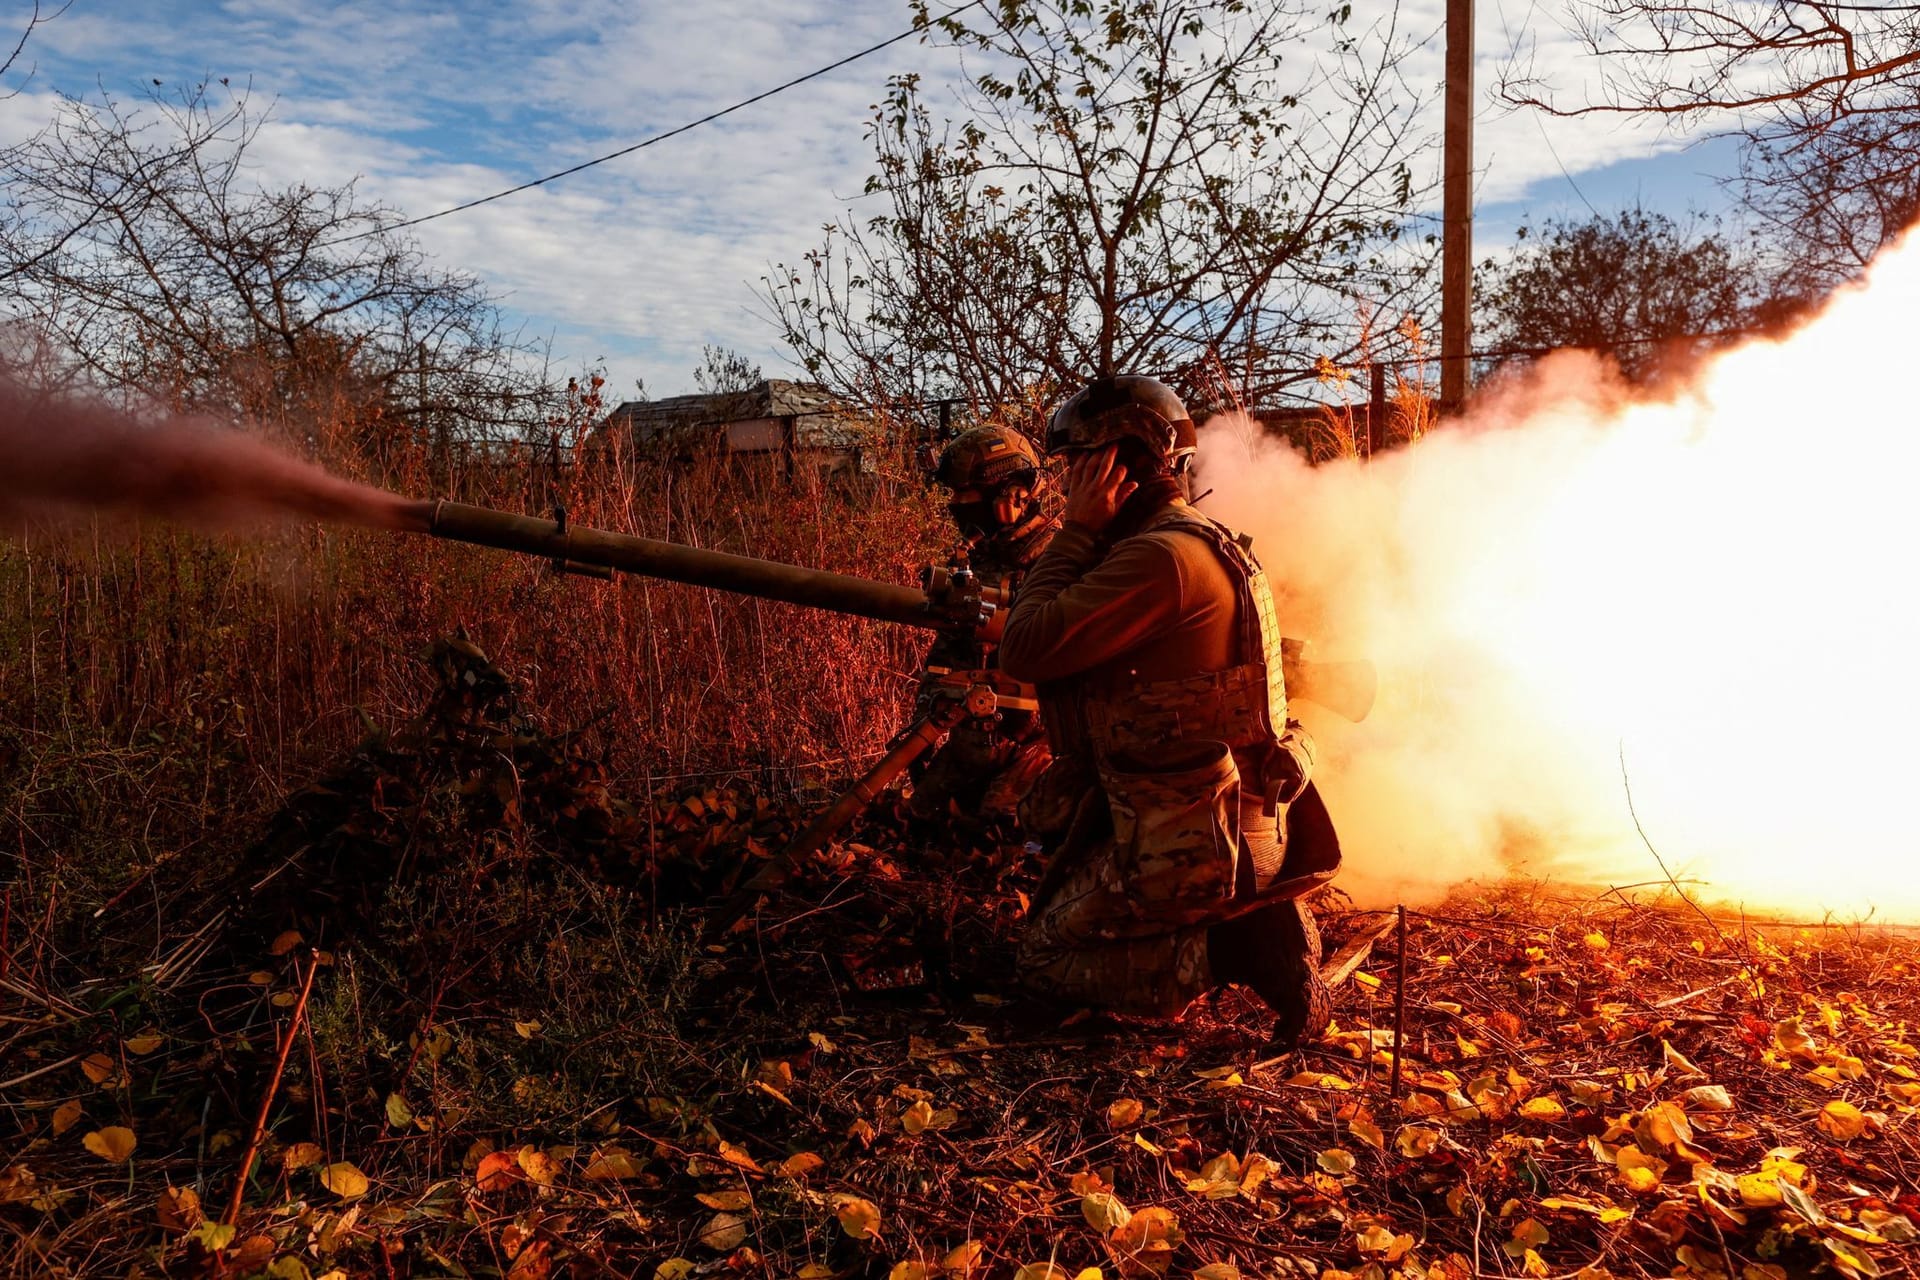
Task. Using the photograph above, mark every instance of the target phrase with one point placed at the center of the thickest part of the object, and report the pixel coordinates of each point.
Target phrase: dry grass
(517, 1036)
(162, 690)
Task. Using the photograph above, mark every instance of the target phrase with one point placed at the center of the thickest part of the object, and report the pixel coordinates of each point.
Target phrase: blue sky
(641, 261)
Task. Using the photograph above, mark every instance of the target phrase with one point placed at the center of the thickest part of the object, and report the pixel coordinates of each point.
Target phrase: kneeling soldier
(1150, 631)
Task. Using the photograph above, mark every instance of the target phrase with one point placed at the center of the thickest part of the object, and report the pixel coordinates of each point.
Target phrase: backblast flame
(1589, 608)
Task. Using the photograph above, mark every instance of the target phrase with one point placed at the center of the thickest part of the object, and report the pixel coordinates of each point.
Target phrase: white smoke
(1714, 585)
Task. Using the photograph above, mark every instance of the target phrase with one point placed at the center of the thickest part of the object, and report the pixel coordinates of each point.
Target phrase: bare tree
(1131, 185)
(1832, 193)
(138, 246)
(1825, 94)
(35, 19)
(724, 371)
(1635, 284)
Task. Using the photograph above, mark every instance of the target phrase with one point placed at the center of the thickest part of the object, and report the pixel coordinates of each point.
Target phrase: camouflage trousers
(1136, 885)
(978, 773)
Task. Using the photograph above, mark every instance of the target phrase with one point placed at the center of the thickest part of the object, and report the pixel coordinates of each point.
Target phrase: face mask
(975, 519)
(984, 512)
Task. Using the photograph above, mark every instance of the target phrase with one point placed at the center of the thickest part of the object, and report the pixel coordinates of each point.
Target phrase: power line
(658, 137)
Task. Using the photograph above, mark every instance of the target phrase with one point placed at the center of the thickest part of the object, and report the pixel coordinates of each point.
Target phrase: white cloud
(645, 258)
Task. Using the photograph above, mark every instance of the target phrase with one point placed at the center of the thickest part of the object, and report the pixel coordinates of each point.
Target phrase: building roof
(771, 398)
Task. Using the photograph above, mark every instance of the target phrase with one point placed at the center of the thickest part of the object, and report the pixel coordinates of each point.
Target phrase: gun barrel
(652, 558)
(1346, 688)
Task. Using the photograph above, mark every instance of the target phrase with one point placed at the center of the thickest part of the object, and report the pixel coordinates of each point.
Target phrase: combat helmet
(986, 458)
(1127, 407)
(997, 485)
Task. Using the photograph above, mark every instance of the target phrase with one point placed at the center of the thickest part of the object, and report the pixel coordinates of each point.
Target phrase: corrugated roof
(772, 398)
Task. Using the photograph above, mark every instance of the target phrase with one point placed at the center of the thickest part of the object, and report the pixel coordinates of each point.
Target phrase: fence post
(1376, 405)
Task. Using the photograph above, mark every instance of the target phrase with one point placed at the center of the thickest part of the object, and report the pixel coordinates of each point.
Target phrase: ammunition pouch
(1176, 837)
(1312, 857)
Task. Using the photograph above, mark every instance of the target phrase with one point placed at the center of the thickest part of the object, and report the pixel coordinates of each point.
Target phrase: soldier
(1150, 631)
(997, 490)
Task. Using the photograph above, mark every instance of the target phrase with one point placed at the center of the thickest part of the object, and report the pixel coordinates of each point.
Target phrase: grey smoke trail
(63, 453)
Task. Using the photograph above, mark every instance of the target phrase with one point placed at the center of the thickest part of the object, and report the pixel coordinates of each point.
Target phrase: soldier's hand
(1097, 485)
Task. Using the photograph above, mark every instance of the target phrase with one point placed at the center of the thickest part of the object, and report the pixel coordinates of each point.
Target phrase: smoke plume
(1605, 623)
(62, 453)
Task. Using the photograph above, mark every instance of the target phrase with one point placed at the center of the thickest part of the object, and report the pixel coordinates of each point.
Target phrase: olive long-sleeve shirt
(1156, 606)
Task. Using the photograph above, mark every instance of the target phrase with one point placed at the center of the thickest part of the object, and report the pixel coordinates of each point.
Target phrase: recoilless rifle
(949, 599)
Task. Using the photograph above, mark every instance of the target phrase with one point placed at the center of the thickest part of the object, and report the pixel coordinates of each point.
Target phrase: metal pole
(1456, 246)
(1399, 1006)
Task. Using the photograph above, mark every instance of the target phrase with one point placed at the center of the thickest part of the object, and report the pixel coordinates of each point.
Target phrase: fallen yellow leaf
(1104, 1212)
(1528, 1234)
(1639, 1171)
(344, 1180)
(1545, 1108)
(1337, 1161)
(1896, 1227)
(1841, 1121)
(859, 1218)
(1416, 1140)
(179, 1208)
(738, 1158)
(1382, 1244)
(1678, 1060)
(1124, 1113)
(144, 1043)
(65, 1115)
(113, 1144)
(799, 1164)
(723, 1233)
(611, 1165)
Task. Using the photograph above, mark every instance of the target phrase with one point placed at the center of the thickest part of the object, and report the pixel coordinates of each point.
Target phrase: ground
(513, 1052)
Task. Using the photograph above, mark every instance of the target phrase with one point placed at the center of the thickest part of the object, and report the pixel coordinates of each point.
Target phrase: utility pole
(1456, 236)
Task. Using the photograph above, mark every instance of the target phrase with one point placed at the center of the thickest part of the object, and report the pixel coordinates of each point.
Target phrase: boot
(1275, 951)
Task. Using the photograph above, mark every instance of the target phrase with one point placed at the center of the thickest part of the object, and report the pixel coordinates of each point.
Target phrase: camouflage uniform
(986, 765)
(1158, 662)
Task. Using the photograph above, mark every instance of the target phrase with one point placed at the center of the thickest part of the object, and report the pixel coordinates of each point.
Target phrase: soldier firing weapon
(950, 600)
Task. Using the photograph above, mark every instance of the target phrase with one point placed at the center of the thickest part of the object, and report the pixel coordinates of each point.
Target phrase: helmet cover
(1130, 406)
